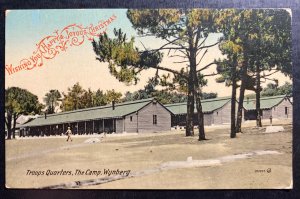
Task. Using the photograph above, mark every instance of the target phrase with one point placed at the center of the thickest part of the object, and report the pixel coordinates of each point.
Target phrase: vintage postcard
(148, 99)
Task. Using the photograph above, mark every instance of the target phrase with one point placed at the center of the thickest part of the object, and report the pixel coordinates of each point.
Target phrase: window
(286, 110)
(154, 119)
(130, 118)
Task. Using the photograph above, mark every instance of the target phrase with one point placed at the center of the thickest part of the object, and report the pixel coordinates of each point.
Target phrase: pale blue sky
(25, 28)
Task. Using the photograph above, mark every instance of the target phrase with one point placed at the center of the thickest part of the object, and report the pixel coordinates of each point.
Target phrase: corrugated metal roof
(208, 105)
(122, 109)
(100, 112)
(265, 102)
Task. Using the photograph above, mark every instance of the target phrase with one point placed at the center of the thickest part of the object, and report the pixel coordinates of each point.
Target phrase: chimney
(113, 105)
(45, 115)
(247, 100)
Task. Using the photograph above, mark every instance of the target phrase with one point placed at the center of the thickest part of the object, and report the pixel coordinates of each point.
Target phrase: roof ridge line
(206, 100)
(98, 107)
(268, 97)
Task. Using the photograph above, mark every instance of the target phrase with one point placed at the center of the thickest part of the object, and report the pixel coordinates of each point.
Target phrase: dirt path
(163, 167)
(166, 160)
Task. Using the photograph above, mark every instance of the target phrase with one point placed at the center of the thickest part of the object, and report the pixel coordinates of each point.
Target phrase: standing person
(69, 133)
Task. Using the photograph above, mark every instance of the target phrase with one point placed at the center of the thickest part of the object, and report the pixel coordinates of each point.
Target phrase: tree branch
(208, 45)
(263, 76)
(212, 74)
(173, 48)
(205, 67)
(197, 36)
(180, 62)
(202, 57)
(185, 53)
(202, 42)
(169, 70)
(162, 47)
(177, 44)
(178, 56)
(269, 79)
(270, 74)
(145, 35)
(198, 52)
(143, 45)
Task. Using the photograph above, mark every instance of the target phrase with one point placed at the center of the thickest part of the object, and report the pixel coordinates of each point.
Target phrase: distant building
(216, 111)
(149, 115)
(279, 107)
(137, 116)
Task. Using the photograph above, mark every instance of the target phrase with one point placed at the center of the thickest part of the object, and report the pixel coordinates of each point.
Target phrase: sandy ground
(144, 155)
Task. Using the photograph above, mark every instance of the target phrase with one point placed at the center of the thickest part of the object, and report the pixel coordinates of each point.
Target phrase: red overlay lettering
(50, 46)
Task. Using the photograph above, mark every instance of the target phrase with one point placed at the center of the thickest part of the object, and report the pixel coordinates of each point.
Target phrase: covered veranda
(97, 126)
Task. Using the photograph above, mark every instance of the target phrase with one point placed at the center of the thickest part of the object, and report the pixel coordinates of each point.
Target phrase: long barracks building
(215, 111)
(279, 107)
(149, 115)
(137, 116)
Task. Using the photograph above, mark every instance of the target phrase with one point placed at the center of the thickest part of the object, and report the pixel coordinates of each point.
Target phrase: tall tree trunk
(258, 69)
(191, 100)
(239, 117)
(14, 126)
(189, 131)
(233, 98)
(8, 125)
(258, 119)
(199, 109)
(197, 94)
(242, 92)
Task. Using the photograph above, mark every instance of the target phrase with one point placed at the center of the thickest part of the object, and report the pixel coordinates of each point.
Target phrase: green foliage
(184, 32)
(99, 98)
(167, 23)
(175, 82)
(73, 99)
(224, 67)
(167, 97)
(270, 40)
(179, 83)
(274, 89)
(149, 91)
(112, 95)
(235, 25)
(176, 26)
(250, 96)
(220, 79)
(79, 98)
(163, 96)
(230, 47)
(264, 36)
(117, 52)
(125, 61)
(20, 101)
(51, 100)
(87, 99)
(209, 95)
(162, 23)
